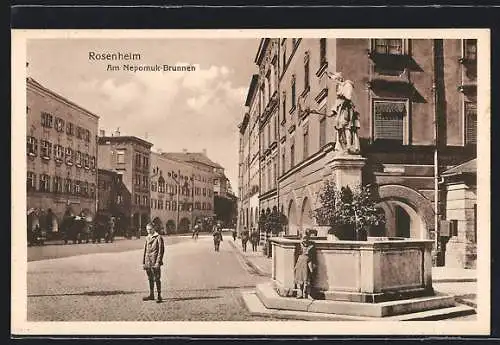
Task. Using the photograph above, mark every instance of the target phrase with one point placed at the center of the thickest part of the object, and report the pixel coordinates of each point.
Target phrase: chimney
(102, 133)
(205, 152)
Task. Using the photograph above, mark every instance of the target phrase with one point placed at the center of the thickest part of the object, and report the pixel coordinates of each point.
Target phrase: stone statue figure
(346, 117)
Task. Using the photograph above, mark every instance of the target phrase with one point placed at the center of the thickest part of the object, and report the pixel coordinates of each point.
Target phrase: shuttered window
(389, 119)
(470, 110)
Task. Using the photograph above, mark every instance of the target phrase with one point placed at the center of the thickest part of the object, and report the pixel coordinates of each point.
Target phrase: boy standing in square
(152, 260)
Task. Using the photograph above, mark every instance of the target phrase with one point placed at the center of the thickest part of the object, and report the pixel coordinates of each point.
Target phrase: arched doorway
(305, 215)
(170, 226)
(184, 224)
(292, 219)
(402, 220)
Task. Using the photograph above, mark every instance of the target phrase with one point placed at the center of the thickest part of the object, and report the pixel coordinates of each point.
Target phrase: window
(389, 46)
(31, 146)
(293, 93)
(79, 132)
(78, 158)
(59, 124)
(322, 51)
(138, 161)
(283, 45)
(306, 71)
(47, 120)
(145, 181)
(69, 156)
(120, 156)
(283, 157)
(137, 179)
(85, 188)
(44, 185)
(59, 152)
(92, 192)
(322, 131)
(70, 128)
(161, 185)
(470, 50)
(292, 155)
(92, 163)
(153, 186)
(87, 135)
(283, 105)
(274, 173)
(31, 181)
(145, 162)
(174, 205)
(77, 187)
(67, 186)
(306, 142)
(470, 110)
(86, 161)
(388, 120)
(160, 204)
(46, 149)
(269, 177)
(204, 192)
(137, 199)
(57, 185)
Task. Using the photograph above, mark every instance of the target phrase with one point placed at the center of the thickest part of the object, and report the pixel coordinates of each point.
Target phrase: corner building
(129, 157)
(417, 104)
(61, 152)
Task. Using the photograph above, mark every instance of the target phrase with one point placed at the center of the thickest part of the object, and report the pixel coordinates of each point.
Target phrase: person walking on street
(152, 260)
(217, 238)
(244, 239)
(234, 234)
(254, 238)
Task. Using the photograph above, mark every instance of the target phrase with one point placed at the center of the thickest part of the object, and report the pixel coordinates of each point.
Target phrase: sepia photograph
(315, 181)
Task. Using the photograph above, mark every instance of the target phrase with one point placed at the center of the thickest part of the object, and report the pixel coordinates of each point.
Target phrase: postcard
(229, 182)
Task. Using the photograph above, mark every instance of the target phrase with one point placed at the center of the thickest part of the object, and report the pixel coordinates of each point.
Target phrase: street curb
(257, 270)
(454, 280)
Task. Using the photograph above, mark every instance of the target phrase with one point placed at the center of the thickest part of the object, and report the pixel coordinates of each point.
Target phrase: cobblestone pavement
(56, 249)
(199, 284)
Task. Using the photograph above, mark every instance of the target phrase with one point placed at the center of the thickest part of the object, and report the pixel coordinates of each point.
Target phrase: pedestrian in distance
(217, 234)
(254, 238)
(152, 260)
(244, 238)
(234, 234)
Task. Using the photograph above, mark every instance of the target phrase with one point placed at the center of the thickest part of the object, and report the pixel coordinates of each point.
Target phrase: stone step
(270, 298)
(257, 308)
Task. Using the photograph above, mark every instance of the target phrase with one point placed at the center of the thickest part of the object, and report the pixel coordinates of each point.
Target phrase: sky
(173, 110)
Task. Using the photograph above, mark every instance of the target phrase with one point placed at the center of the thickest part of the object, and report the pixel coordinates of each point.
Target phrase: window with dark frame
(31, 146)
(68, 186)
(322, 51)
(306, 72)
(322, 131)
(44, 184)
(70, 128)
(46, 149)
(389, 117)
(283, 119)
(46, 119)
(305, 137)
(470, 110)
(31, 181)
(69, 155)
(292, 155)
(293, 92)
(470, 49)
(388, 46)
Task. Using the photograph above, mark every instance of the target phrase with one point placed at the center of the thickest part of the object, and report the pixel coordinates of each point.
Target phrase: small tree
(347, 211)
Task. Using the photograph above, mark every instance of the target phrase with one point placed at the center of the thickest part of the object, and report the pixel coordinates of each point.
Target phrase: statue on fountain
(346, 117)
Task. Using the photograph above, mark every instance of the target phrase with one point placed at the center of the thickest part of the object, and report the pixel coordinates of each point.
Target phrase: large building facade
(417, 104)
(61, 154)
(249, 172)
(129, 157)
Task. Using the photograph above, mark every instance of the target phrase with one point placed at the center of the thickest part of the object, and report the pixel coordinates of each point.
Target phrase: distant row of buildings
(417, 100)
(72, 169)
